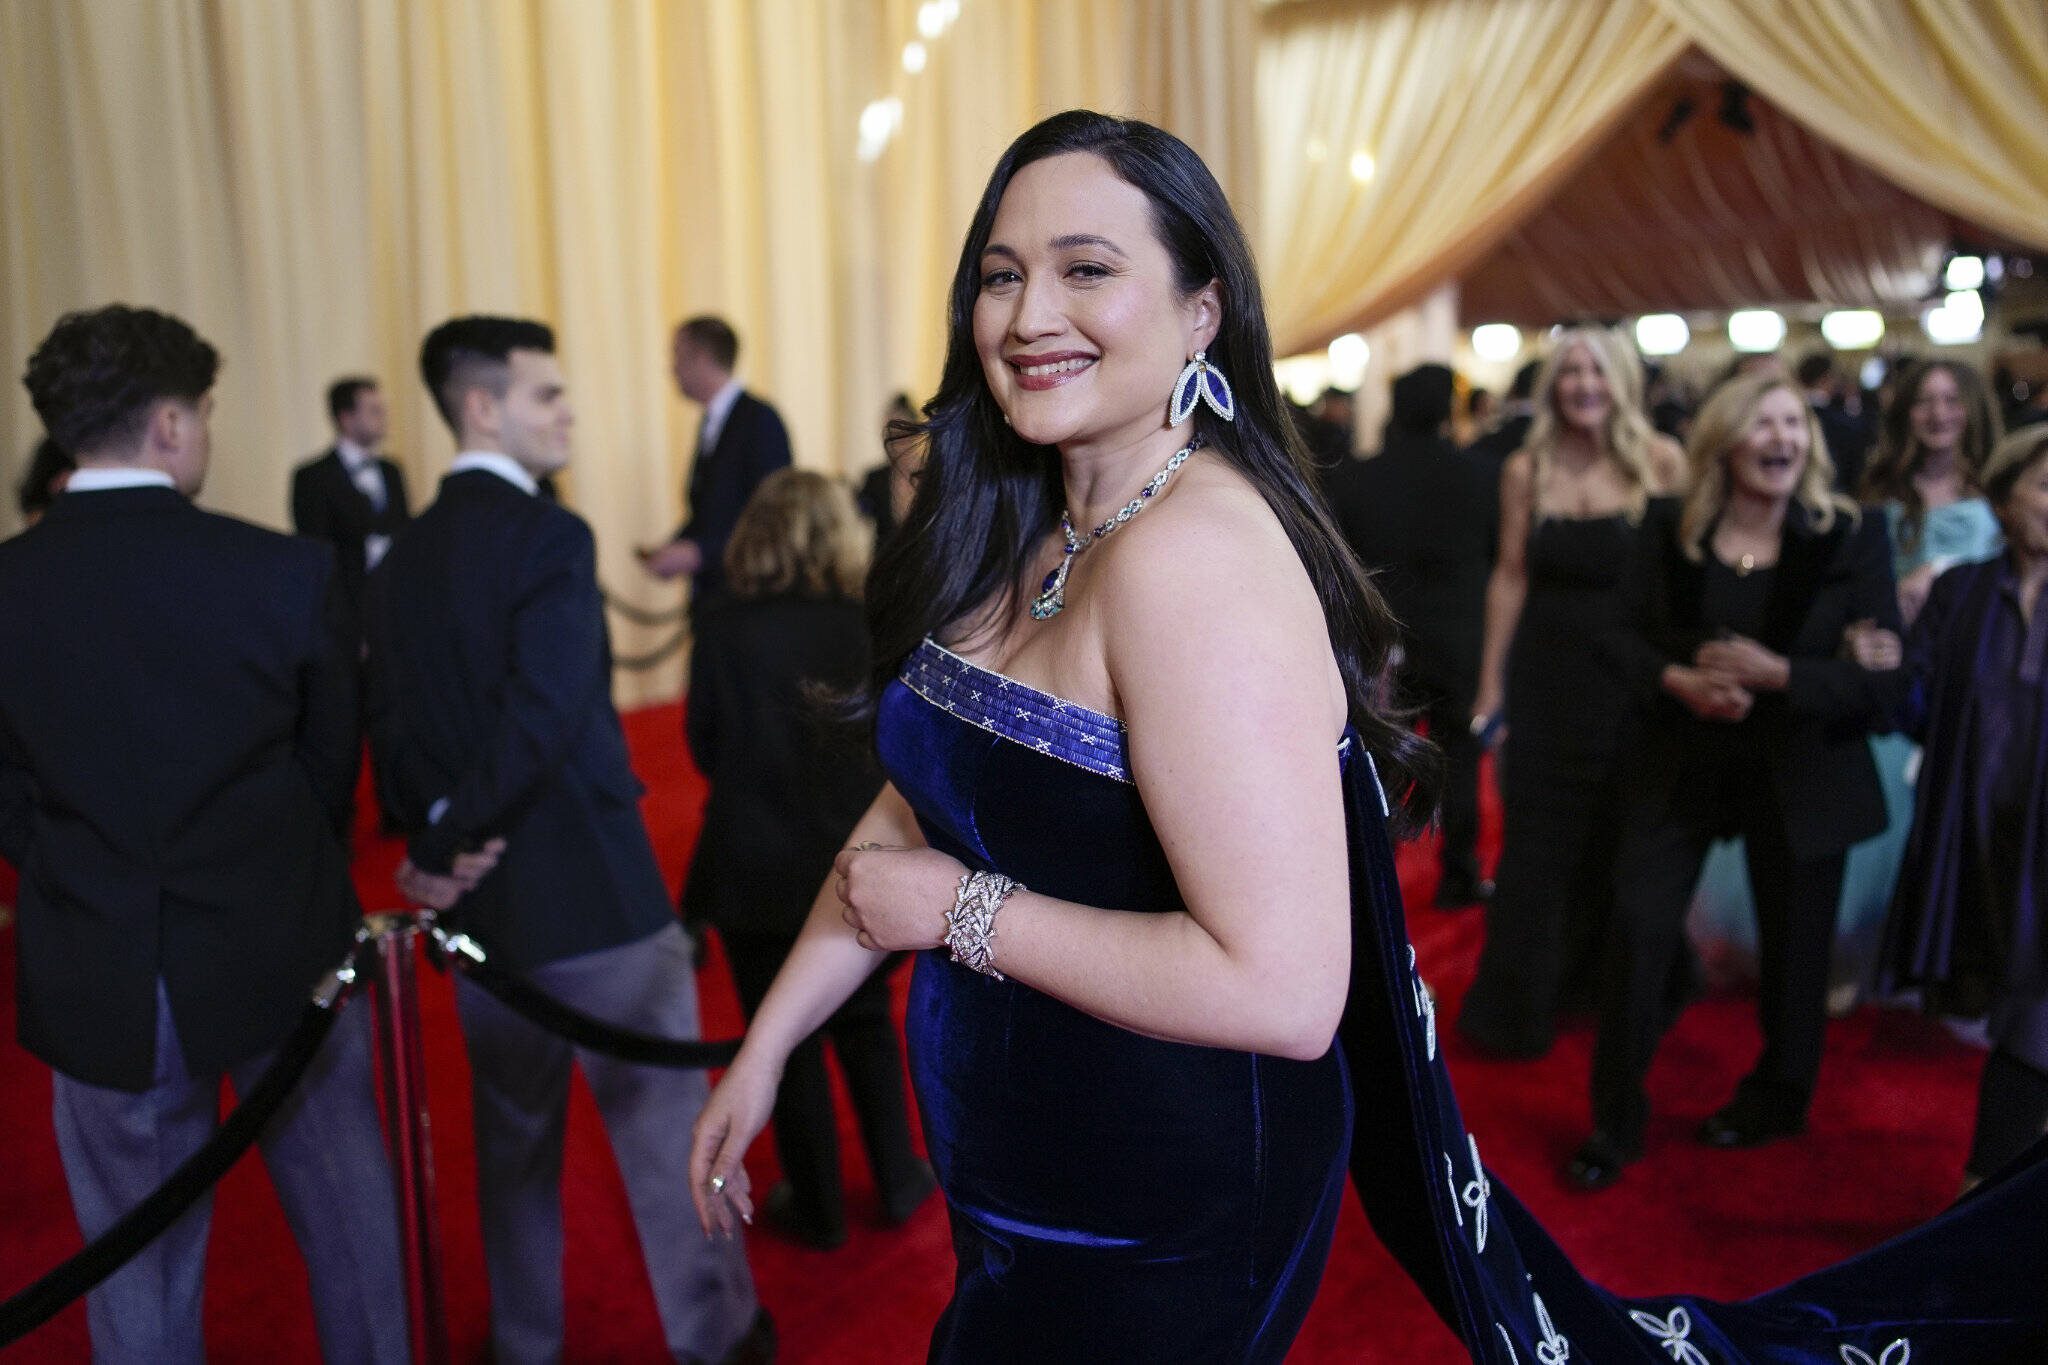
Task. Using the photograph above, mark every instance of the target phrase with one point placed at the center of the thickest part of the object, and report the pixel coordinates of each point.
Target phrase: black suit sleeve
(330, 738)
(17, 802)
(312, 513)
(1645, 638)
(555, 676)
(1835, 688)
(398, 506)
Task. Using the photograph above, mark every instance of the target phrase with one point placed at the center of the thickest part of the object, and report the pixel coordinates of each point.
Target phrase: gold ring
(866, 846)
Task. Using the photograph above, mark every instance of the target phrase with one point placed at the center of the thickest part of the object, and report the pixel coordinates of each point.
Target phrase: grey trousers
(520, 1086)
(326, 1156)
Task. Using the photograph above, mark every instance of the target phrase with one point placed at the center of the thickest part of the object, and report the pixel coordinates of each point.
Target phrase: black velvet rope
(538, 1007)
(141, 1225)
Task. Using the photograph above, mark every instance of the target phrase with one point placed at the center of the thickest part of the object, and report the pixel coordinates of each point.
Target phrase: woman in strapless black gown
(1136, 831)
(1571, 500)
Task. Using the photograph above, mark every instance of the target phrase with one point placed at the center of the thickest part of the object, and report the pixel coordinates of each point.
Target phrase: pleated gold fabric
(1947, 97)
(314, 183)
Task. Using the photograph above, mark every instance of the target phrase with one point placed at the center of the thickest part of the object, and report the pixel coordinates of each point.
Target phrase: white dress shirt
(103, 478)
(504, 466)
(367, 475)
(715, 413)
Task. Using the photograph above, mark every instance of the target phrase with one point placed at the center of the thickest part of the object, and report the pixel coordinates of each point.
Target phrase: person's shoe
(758, 1346)
(1455, 893)
(1748, 1122)
(1600, 1161)
(780, 1213)
(900, 1206)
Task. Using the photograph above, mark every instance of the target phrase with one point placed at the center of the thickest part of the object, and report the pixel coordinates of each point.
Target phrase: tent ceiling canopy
(1709, 197)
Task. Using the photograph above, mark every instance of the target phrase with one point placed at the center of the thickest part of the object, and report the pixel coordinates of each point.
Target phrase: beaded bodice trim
(1037, 720)
(1017, 712)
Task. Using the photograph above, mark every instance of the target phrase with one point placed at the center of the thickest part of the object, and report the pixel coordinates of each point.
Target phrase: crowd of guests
(1810, 631)
(1709, 678)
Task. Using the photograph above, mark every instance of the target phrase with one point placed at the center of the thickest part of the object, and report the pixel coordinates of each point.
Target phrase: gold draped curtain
(314, 183)
(1700, 216)
(1949, 98)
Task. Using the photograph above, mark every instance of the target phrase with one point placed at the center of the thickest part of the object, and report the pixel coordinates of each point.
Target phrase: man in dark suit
(1849, 434)
(1511, 424)
(1421, 514)
(177, 726)
(351, 496)
(491, 717)
(741, 442)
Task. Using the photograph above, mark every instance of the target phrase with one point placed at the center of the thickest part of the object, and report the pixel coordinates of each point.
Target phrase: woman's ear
(1205, 307)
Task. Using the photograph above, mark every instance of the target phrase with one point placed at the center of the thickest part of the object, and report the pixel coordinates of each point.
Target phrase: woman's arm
(821, 972)
(1834, 688)
(1508, 588)
(1221, 665)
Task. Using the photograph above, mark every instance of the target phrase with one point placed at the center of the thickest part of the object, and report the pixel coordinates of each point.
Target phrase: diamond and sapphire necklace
(1053, 592)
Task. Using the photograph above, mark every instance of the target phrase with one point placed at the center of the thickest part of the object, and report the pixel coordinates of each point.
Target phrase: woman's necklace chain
(1052, 595)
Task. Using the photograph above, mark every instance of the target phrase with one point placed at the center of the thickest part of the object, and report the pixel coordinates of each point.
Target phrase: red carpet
(1888, 1135)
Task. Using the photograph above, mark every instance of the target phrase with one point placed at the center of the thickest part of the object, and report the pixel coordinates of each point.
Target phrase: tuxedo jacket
(177, 740)
(1817, 754)
(1421, 515)
(489, 687)
(751, 445)
(786, 783)
(327, 505)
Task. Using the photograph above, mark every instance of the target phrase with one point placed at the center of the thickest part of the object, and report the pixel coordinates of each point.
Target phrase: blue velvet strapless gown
(1120, 1199)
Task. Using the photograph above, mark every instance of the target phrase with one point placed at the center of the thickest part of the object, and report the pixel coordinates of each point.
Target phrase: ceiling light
(1852, 329)
(1754, 331)
(913, 57)
(1496, 341)
(1964, 272)
(1348, 356)
(1662, 334)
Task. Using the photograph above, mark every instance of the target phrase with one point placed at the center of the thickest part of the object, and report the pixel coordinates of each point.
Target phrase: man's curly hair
(96, 374)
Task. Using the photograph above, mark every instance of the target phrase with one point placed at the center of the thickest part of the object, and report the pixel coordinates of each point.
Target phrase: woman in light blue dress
(1938, 432)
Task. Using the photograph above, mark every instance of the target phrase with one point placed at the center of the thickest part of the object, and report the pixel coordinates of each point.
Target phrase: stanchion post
(402, 1064)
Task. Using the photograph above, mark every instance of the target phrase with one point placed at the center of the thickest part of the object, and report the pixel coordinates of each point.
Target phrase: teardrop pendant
(1053, 592)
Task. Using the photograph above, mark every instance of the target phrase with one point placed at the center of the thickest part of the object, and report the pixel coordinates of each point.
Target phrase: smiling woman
(1139, 843)
(1745, 600)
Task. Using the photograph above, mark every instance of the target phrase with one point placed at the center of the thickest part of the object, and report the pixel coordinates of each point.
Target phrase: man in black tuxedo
(177, 726)
(741, 442)
(1421, 514)
(491, 718)
(350, 496)
(1849, 433)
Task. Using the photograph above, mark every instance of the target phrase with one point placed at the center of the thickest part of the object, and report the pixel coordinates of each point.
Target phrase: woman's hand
(1746, 662)
(1913, 590)
(896, 899)
(730, 1121)
(1707, 694)
(1872, 647)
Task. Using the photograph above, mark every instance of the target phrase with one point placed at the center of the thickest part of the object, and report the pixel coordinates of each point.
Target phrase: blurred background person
(1970, 923)
(1420, 514)
(350, 496)
(1843, 423)
(1571, 502)
(1480, 407)
(1755, 726)
(885, 493)
(49, 469)
(740, 442)
(1512, 418)
(785, 788)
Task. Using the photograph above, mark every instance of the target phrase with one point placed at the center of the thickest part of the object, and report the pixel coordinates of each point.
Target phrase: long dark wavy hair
(1889, 477)
(986, 499)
